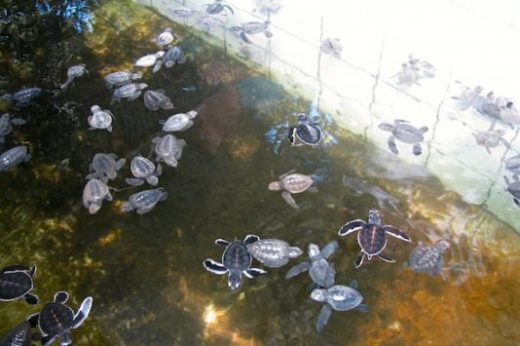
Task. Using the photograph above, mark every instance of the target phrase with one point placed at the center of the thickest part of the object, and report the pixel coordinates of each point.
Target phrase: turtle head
(374, 217)
(313, 250)
(94, 207)
(137, 75)
(294, 251)
(234, 279)
(275, 186)
(153, 180)
(318, 295)
(442, 244)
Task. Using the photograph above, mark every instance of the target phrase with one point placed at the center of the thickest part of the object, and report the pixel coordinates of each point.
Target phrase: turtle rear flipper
(46, 340)
(298, 269)
(254, 272)
(214, 267)
(31, 299)
(417, 150)
(65, 338)
(362, 308)
(352, 226)
(17, 268)
(82, 313)
(386, 258)
(323, 317)
(290, 200)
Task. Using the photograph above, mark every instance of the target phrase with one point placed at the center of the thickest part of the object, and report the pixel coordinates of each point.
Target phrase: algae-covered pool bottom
(145, 271)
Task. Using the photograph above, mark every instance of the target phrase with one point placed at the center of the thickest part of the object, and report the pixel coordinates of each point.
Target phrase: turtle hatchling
(513, 188)
(320, 270)
(155, 99)
(404, 132)
(332, 46)
(5, 125)
(165, 38)
(24, 96)
(339, 298)
(218, 6)
(178, 122)
(174, 55)
(491, 138)
(94, 193)
(105, 166)
(251, 28)
(119, 78)
(144, 201)
(428, 259)
(129, 91)
(151, 60)
(273, 253)
(74, 72)
(169, 149)
(372, 236)
(20, 335)
(17, 282)
(57, 319)
(100, 119)
(13, 157)
(236, 261)
(144, 170)
(513, 164)
(292, 183)
(306, 132)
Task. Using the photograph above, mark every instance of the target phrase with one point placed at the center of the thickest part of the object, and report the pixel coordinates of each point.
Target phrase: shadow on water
(145, 272)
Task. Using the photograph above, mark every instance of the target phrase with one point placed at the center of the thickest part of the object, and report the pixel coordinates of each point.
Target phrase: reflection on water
(145, 273)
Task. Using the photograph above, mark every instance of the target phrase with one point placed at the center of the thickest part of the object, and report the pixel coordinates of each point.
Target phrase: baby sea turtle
(513, 164)
(513, 188)
(17, 282)
(337, 297)
(20, 335)
(292, 183)
(183, 12)
(165, 38)
(169, 149)
(155, 99)
(491, 138)
(251, 28)
(12, 157)
(105, 166)
(372, 236)
(174, 55)
(144, 170)
(321, 272)
(94, 193)
(5, 125)
(129, 91)
(273, 253)
(178, 122)
(406, 133)
(74, 72)
(151, 60)
(100, 119)
(331, 46)
(306, 131)
(57, 319)
(144, 201)
(428, 259)
(218, 6)
(119, 78)
(23, 97)
(236, 261)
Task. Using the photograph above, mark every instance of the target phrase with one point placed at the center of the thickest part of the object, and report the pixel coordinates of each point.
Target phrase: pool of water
(145, 272)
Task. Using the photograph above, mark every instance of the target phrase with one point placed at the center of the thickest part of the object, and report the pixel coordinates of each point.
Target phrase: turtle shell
(14, 285)
(141, 167)
(146, 199)
(296, 183)
(309, 133)
(12, 157)
(236, 256)
(94, 190)
(322, 273)
(271, 252)
(372, 240)
(407, 133)
(343, 298)
(426, 259)
(55, 318)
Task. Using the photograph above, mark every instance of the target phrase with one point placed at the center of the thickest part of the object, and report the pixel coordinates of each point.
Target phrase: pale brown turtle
(290, 183)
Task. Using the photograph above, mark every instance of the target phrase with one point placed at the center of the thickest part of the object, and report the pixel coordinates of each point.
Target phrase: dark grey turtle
(165, 38)
(218, 6)
(119, 78)
(178, 122)
(306, 131)
(331, 46)
(513, 188)
(428, 259)
(468, 97)
(5, 125)
(144, 201)
(74, 72)
(105, 166)
(169, 149)
(24, 96)
(251, 28)
(513, 164)
(16, 282)
(20, 335)
(154, 60)
(321, 272)
(129, 91)
(372, 236)
(100, 119)
(491, 138)
(337, 297)
(57, 319)
(236, 261)
(273, 253)
(144, 170)
(404, 132)
(94, 193)
(155, 99)
(292, 183)
(174, 55)
(12, 157)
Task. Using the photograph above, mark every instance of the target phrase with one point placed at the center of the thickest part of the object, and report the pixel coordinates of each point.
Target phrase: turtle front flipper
(323, 317)
(298, 269)
(254, 272)
(290, 200)
(250, 239)
(291, 134)
(214, 267)
(352, 226)
(31, 299)
(17, 268)
(396, 232)
(222, 242)
(82, 313)
(134, 181)
(417, 150)
(392, 146)
(386, 258)
(33, 319)
(329, 249)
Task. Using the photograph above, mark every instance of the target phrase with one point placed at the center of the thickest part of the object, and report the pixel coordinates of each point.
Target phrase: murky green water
(145, 272)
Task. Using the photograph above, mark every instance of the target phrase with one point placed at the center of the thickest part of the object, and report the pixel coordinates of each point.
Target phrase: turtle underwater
(94, 193)
(5, 125)
(20, 335)
(236, 261)
(491, 138)
(129, 91)
(320, 270)
(404, 132)
(100, 119)
(143, 202)
(13, 157)
(251, 28)
(428, 259)
(273, 253)
(372, 236)
(155, 99)
(120, 78)
(290, 183)
(105, 166)
(165, 38)
(169, 149)
(16, 282)
(144, 170)
(305, 131)
(178, 122)
(74, 72)
(513, 188)
(218, 6)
